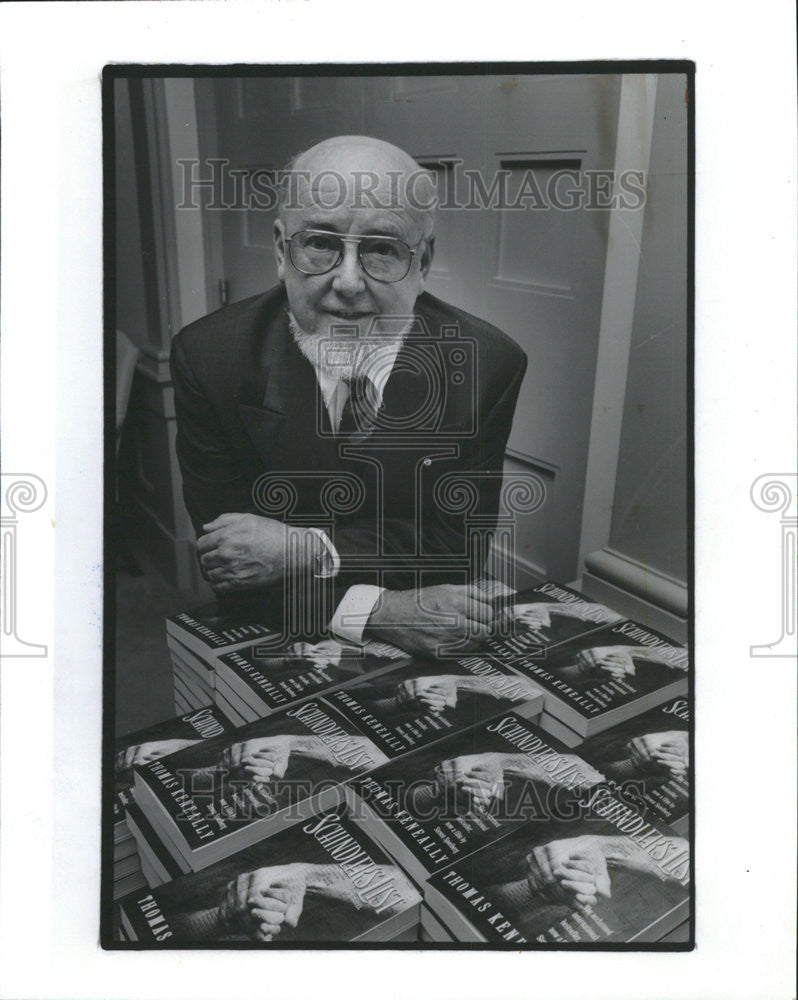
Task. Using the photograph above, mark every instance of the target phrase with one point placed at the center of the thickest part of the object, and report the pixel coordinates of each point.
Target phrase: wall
(643, 567)
(160, 284)
(131, 298)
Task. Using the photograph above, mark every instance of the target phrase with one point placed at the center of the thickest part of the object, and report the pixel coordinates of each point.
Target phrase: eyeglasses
(383, 258)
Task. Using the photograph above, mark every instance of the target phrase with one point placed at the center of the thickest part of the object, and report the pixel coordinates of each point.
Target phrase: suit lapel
(284, 429)
(415, 393)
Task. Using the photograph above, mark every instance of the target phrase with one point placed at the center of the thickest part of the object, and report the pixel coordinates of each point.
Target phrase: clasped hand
(260, 760)
(262, 902)
(573, 870)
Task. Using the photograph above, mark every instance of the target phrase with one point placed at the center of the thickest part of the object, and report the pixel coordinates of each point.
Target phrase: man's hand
(425, 620)
(260, 760)
(613, 660)
(259, 903)
(143, 753)
(242, 551)
(478, 776)
(433, 693)
(670, 750)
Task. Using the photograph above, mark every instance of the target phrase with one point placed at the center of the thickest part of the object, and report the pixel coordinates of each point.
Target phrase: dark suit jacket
(405, 502)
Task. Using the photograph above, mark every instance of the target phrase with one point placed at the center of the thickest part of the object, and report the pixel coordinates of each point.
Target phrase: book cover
(322, 882)
(210, 800)
(607, 876)
(424, 700)
(543, 616)
(597, 680)
(186, 730)
(435, 806)
(649, 756)
(270, 679)
(208, 630)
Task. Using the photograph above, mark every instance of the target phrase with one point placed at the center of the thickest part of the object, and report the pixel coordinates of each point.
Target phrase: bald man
(341, 436)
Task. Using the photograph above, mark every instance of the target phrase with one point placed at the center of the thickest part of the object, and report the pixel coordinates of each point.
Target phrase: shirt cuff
(328, 562)
(350, 617)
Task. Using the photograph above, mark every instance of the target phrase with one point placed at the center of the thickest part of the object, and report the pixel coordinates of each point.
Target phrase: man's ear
(427, 257)
(280, 248)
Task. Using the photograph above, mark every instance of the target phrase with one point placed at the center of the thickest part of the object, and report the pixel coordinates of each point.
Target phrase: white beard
(343, 357)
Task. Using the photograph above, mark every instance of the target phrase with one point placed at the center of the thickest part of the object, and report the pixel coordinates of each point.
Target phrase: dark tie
(361, 409)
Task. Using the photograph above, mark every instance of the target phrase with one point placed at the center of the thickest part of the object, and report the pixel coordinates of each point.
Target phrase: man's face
(347, 295)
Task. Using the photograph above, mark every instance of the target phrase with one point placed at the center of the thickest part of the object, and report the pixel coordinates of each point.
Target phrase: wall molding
(638, 591)
(650, 584)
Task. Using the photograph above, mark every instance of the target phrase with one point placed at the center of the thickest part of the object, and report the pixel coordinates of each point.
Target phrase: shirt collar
(377, 367)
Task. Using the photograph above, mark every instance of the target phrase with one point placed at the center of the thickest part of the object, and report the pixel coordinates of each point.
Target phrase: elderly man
(341, 436)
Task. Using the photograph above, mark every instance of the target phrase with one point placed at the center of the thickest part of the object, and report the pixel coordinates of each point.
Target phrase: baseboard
(629, 587)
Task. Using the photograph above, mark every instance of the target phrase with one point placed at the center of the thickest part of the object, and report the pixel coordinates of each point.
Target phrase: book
(188, 695)
(208, 631)
(432, 929)
(127, 866)
(232, 712)
(225, 695)
(201, 671)
(321, 882)
(598, 680)
(210, 800)
(542, 617)
(197, 683)
(606, 876)
(649, 756)
(563, 733)
(423, 701)
(129, 883)
(123, 849)
(433, 807)
(269, 679)
(188, 728)
(157, 863)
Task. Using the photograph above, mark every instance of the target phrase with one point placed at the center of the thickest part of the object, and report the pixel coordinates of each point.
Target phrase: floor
(144, 693)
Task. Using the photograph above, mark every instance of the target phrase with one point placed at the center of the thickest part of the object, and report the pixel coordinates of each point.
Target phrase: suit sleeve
(213, 481)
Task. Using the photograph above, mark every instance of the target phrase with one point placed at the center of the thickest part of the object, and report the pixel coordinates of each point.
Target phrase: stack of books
(196, 639)
(596, 681)
(535, 792)
(133, 841)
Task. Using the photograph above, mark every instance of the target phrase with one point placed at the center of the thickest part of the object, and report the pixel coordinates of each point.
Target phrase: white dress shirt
(350, 617)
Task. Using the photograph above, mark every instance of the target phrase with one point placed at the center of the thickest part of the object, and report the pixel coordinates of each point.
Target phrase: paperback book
(650, 757)
(601, 679)
(322, 882)
(157, 863)
(208, 631)
(270, 679)
(433, 807)
(163, 738)
(542, 617)
(210, 800)
(608, 876)
(423, 701)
